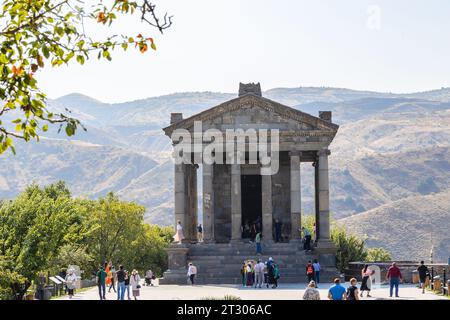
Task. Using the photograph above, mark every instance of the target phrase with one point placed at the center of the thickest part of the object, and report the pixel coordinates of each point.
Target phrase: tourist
(316, 266)
(310, 272)
(179, 235)
(276, 275)
(40, 285)
(101, 283)
(337, 291)
(306, 239)
(135, 281)
(249, 271)
(121, 283)
(366, 283)
(200, 233)
(352, 290)
(148, 277)
(192, 272)
(270, 273)
(244, 274)
(259, 274)
(112, 277)
(127, 284)
(71, 281)
(107, 270)
(395, 277)
(258, 243)
(253, 231)
(311, 293)
(423, 275)
(278, 226)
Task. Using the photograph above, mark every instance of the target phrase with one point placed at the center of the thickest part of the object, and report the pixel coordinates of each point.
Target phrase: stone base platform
(220, 263)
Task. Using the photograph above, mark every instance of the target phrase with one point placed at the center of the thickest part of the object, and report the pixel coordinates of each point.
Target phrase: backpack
(310, 270)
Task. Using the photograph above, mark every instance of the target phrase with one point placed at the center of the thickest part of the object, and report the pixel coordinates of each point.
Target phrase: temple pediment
(252, 111)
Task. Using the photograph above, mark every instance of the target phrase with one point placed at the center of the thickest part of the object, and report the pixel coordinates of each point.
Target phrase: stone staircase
(221, 263)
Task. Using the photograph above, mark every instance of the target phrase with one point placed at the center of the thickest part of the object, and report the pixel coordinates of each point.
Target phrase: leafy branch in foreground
(38, 33)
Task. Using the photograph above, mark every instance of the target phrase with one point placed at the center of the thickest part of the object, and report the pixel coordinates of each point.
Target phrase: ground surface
(284, 292)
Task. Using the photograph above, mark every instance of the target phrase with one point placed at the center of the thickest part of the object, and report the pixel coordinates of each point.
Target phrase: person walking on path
(258, 243)
(127, 284)
(352, 290)
(337, 291)
(259, 274)
(101, 283)
(200, 233)
(307, 239)
(71, 281)
(107, 270)
(316, 266)
(135, 282)
(311, 293)
(395, 277)
(278, 227)
(179, 235)
(192, 272)
(121, 283)
(310, 272)
(424, 273)
(112, 277)
(366, 283)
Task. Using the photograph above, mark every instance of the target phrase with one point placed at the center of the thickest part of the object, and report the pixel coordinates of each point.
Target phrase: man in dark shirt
(120, 283)
(423, 274)
(101, 282)
(395, 277)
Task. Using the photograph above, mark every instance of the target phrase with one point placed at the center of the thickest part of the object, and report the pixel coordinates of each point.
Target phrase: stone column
(192, 203)
(266, 190)
(180, 195)
(208, 203)
(324, 200)
(236, 210)
(295, 195)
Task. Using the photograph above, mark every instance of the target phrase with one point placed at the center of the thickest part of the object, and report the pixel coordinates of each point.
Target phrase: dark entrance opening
(251, 204)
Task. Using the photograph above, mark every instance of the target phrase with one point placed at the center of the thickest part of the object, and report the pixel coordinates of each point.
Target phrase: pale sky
(395, 46)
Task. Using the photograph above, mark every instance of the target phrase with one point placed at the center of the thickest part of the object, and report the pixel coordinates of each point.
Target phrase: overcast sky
(395, 46)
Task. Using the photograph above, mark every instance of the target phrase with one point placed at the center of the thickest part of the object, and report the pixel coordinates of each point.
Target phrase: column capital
(323, 152)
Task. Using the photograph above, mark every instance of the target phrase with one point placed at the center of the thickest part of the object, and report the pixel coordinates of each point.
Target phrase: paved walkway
(284, 292)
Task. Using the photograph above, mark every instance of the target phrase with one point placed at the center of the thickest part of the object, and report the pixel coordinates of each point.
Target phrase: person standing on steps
(306, 239)
(259, 274)
(192, 272)
(310, 272)
(101, 283)
(352, 290)
(71, 280)
(121, 283)
(366, 283)
(424, 273)
(395, 277)
(316, 266)
(278, 227)
(179, 235)
(258, 243)
(200, 233)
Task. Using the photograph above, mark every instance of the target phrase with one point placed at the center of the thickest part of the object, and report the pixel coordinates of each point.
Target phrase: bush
(378, 255)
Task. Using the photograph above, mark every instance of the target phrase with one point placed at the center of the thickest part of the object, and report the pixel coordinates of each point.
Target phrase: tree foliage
(378, 255)
(46, 229)
(40, 33)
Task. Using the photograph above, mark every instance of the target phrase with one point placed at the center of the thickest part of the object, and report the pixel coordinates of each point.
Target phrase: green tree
(36, 34)
(378, 255)
(349, 247)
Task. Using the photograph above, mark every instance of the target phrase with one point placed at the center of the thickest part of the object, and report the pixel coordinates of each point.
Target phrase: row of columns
(184, 189)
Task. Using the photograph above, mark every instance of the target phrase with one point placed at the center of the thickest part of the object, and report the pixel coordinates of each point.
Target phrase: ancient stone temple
(242, 188)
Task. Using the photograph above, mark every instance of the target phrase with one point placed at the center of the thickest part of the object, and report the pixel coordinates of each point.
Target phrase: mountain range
(390, 161)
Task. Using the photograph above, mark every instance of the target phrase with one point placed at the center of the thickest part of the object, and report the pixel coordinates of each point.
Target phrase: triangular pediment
(250, 110)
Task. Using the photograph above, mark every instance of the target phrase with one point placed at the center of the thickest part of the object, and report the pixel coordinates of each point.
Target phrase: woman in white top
(71, 280)
(135, 281)
(179, 235)
(366, 283)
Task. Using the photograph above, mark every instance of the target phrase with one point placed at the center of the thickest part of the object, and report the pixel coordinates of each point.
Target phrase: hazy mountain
(390, 148)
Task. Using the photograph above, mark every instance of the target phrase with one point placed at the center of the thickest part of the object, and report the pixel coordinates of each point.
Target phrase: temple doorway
(251, 204)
